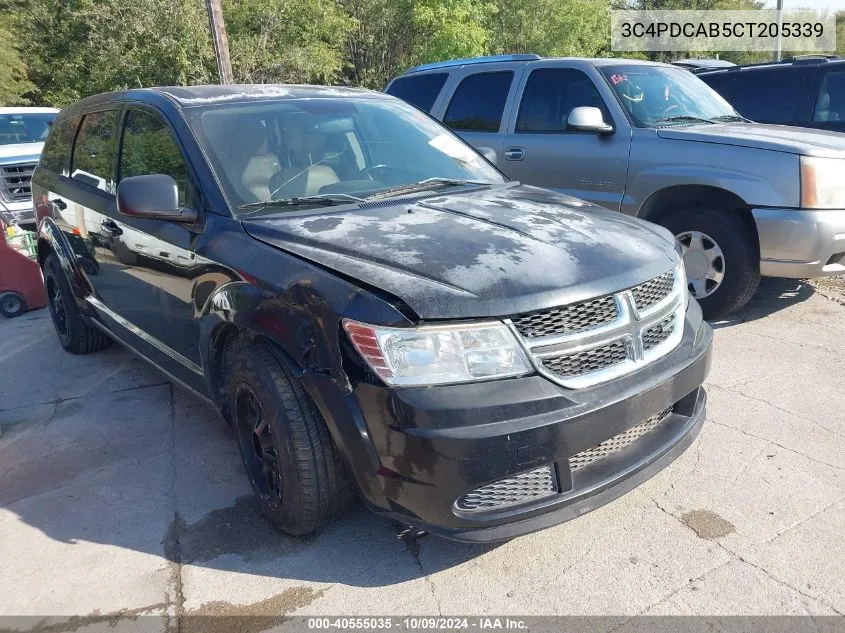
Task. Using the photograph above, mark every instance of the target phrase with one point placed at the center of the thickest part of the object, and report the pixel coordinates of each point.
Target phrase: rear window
(770, 95)
(479, 102)
(419, 90)
(56, 151)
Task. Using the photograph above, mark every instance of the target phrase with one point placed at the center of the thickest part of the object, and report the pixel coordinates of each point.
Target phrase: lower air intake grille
(616, 443)
(580, 363)
(512, 491)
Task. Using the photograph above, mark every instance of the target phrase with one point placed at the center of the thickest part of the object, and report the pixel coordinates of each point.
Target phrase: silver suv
(654, 141)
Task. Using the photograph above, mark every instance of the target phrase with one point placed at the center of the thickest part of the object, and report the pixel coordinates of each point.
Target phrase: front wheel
(293, 466)
(721, 257)
(12, 305)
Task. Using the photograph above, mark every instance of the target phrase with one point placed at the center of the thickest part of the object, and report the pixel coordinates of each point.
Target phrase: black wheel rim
(258, 449)
(58, 309)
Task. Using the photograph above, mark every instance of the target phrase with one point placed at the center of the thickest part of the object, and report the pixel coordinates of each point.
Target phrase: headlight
(434, 355)
(822, 183)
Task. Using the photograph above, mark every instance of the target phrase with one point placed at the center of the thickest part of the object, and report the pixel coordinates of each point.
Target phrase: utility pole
(780, 22)
(219, 40)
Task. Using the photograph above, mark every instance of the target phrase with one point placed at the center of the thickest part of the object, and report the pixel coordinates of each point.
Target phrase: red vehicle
(21, 286)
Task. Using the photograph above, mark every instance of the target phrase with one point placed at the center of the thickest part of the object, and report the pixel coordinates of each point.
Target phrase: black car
(803, 91)
(372, 305)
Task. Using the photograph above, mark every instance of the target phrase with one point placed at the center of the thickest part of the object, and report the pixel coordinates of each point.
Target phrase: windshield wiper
(424, 185)
(683, 119)
(326, 199)
(727, 118)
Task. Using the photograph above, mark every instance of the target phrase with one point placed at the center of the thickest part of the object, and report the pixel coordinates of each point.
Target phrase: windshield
(655, 96)
(344, 148)
(25, 128)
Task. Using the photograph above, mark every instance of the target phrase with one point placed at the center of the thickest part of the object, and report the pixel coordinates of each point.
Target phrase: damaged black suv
(371, 305)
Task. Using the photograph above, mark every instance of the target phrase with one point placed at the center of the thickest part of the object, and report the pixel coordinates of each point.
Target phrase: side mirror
(155, 197)
(587, 119)
(489, 153)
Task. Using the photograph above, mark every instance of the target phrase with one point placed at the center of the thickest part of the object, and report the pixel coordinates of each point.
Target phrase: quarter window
(550, 95)
(93, 152)
(479, 102)
(148, 148)
(830, 102)
(56, 150)
(419, 90)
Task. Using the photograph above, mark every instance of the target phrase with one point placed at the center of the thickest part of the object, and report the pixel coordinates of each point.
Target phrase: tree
(451, 28)
(14, 85)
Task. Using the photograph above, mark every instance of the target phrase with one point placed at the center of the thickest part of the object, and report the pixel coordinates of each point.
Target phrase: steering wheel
(369, 170)
(668, 111)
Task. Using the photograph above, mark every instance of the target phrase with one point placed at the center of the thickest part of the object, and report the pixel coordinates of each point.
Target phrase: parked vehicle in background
(699, 65)
(654, 141)
(22, 135)
(802, 91)
(478, 358)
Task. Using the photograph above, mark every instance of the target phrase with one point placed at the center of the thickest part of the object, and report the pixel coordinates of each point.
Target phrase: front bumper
(432, 445)
(799, 243)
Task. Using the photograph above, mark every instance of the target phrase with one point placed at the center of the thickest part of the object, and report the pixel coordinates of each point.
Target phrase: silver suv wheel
(704, 263)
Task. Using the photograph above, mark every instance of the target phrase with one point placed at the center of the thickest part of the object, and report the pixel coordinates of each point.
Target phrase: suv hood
(20, 153)
(495, 252)
(779, 138)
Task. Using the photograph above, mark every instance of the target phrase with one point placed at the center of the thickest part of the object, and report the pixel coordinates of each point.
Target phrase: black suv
(807, 92)
(371, 305)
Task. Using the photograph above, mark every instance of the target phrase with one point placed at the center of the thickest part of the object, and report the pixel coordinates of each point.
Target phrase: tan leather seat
(258, 172)
(293, 183)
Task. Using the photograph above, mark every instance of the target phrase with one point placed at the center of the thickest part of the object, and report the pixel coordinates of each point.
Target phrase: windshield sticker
(618, 78)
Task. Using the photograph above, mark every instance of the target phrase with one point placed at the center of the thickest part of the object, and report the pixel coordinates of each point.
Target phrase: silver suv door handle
(514, 153)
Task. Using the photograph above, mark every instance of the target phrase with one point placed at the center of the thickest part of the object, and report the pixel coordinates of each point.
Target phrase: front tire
(12, 305)
(296, 472)
(721, 257)
(75, 335)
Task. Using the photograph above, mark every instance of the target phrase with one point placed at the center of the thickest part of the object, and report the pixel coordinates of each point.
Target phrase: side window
(56, 150)
(419, 90)
(721, 83)
(479, 102)
(93, 152)
(830, 102)
(768, 96)
(550, 95)
(148, 148)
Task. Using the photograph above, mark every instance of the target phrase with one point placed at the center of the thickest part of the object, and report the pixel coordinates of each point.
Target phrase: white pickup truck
(22, 134)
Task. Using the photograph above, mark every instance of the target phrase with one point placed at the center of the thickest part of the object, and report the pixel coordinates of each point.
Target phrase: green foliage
(68, 49)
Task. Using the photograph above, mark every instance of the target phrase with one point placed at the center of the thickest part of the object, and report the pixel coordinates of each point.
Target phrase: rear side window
(766, 95)
(830, 101)
(550, 95)
(56, 152)
(479, 102)
(93, 152)
(148, 148)
(419, 90)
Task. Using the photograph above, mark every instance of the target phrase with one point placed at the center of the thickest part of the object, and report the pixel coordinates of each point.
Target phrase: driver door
(540, 150)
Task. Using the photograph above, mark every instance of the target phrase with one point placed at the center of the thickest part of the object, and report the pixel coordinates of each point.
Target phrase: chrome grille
(528, 486)
(656, 334)
(580, 363)
(568, 319)
(652, 292)
(15, 182)
(601, 339)
(617, 442)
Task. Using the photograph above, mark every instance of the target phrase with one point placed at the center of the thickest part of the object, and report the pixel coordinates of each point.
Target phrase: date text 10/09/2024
(485, 623)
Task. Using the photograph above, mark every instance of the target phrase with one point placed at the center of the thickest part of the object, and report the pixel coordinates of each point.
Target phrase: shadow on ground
(773, 295)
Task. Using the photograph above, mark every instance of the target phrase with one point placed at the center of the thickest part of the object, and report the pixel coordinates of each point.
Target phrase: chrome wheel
(704, 263)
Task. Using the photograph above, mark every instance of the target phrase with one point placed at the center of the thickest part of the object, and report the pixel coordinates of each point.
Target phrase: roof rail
(519, 57)
(810, 56)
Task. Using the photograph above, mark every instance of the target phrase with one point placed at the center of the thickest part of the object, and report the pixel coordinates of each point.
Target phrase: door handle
(515, 153)
(60, 204)
(111, 228)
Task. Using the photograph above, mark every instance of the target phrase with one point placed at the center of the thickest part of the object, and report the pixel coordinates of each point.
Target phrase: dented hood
(496, 252)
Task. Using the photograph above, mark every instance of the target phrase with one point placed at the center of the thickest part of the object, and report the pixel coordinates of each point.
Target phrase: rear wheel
(293, 466)
(12, 304)
(74, 333)
(721, 258)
